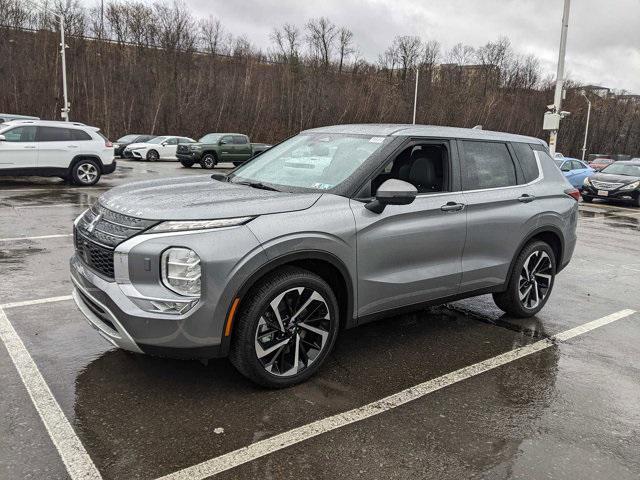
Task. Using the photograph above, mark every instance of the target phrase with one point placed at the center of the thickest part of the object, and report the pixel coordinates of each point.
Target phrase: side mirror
(2, 138)
(392, 192)
(222, 142)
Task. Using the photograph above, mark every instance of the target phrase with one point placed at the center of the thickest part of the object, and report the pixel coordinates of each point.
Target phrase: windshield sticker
(376, 139)
(322, 186)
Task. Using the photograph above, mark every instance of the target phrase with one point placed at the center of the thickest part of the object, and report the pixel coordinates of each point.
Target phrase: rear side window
(240, 140)
(20, 134)
(487, 165)
(527, 160)
(80, 135)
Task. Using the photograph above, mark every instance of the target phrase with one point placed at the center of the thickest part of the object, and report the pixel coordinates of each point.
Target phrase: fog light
(181, 271)
(164, 306)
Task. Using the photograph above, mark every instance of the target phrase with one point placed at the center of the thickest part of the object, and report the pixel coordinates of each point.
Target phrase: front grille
(95, 256)
(99, 231)
(605, 185)
(183, 149)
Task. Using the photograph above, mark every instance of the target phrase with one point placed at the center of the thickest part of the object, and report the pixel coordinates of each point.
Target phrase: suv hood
(200, 198)
(609, 177)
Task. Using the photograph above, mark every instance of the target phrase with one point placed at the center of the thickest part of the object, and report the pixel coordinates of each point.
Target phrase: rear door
(242, 148)
(56, 147)
(501, 208)
(18, 150)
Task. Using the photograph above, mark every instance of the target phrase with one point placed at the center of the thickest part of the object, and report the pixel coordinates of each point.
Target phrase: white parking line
(74, 456)
(41, 237)
(38, 301)
(52, 205)
(278, 442)
(48, 189)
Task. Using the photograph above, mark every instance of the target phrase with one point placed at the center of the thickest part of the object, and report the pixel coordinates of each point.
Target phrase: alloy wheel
(87, 172)
(535, 279)
(292, 331)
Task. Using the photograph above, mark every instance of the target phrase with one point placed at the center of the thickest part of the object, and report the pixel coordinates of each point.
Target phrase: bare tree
(321, 36)
(460, 54)
(211, 34)
(287, 42)
(345, 46)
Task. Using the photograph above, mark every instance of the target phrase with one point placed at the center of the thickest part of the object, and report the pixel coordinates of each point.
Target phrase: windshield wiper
(259, 185)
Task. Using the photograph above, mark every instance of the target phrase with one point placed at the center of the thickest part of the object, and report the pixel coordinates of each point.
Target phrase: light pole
(586, 128)
(557, 99)
(60, 17)
(415, 95)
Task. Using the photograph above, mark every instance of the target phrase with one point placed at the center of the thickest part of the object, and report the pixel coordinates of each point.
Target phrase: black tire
(153, 155)
(208, 161)
(256, 312)
(636, 202)
(510, 300)
(85, 172)
(187, 163)
(587, 199)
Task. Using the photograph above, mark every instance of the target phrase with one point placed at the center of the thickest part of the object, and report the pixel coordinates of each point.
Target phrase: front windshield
(156, 140)
(317, 161)
(127, 139)
(210, 138)
(622, 169)
(559, 163)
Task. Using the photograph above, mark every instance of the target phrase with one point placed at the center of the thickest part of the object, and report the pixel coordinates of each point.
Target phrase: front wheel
(587, 199)
(187, 163)
(208, 161)
(85, 173)
(286, 328)
(153, 155)
(531, 281)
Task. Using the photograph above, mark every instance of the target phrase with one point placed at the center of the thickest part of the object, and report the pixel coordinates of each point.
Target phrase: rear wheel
(153, 155)
(208, 161)
(531, 281)
(85, 172)
(187, 163)
(286, 328)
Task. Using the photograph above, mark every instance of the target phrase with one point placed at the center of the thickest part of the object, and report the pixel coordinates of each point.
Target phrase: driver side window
(424, 165)
(21, 134)
(172, 141)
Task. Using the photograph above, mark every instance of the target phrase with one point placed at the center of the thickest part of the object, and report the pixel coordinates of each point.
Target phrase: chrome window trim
(532, 182)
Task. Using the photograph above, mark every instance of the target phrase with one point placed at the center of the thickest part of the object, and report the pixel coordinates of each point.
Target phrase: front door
(227, 149)
(410, 254)
(168, 148)
(18, 149)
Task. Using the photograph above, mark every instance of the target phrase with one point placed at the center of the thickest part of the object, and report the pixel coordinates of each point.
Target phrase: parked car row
(619, 181)
(211, 149)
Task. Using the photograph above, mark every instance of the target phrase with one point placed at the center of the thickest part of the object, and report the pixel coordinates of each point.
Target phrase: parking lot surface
(482, 395)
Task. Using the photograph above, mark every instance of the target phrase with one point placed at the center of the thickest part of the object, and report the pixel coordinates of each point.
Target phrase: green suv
(219, 147)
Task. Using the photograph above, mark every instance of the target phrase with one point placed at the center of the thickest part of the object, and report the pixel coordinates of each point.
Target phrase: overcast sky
(604, 35)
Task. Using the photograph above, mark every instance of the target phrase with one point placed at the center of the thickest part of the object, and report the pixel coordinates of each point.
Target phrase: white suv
(68, 150)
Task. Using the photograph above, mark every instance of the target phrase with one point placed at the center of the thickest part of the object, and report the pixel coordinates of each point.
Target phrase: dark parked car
(121, 143)
(219, 147)
(620, 181)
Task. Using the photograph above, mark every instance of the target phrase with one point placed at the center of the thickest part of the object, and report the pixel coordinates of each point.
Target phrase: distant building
(602, 92)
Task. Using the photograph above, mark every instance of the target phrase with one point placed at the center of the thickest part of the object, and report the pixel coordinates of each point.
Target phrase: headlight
(115, 145)
(181, 271)
(179, 226)
(586, 181)
(631, 186)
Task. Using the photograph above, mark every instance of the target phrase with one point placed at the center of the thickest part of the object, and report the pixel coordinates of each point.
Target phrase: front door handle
(526, 198)
(30, 146)
(452, 207)
(72, 146)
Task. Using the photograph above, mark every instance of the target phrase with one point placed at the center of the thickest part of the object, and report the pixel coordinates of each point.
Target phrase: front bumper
(123, 324)
(137, 154)
(190, 156)
(626, 195)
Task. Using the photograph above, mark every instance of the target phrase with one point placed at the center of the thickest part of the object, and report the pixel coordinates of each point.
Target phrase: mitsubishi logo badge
(92, 225)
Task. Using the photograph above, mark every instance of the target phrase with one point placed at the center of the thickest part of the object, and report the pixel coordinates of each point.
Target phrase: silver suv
(330, 229)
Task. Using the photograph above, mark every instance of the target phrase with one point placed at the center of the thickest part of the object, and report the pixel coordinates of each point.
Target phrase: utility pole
(586, 128)
(63, 47)
(557, 99)
(415, 95)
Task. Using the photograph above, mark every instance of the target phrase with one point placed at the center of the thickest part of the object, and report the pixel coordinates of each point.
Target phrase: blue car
(574, 170)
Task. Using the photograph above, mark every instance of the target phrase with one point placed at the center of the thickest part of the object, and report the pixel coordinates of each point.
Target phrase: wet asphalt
(571, 411)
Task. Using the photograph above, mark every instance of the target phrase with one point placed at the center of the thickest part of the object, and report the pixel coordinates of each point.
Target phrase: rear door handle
(30, 146)
(452, 207)
(526, 198)
(72, 146)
